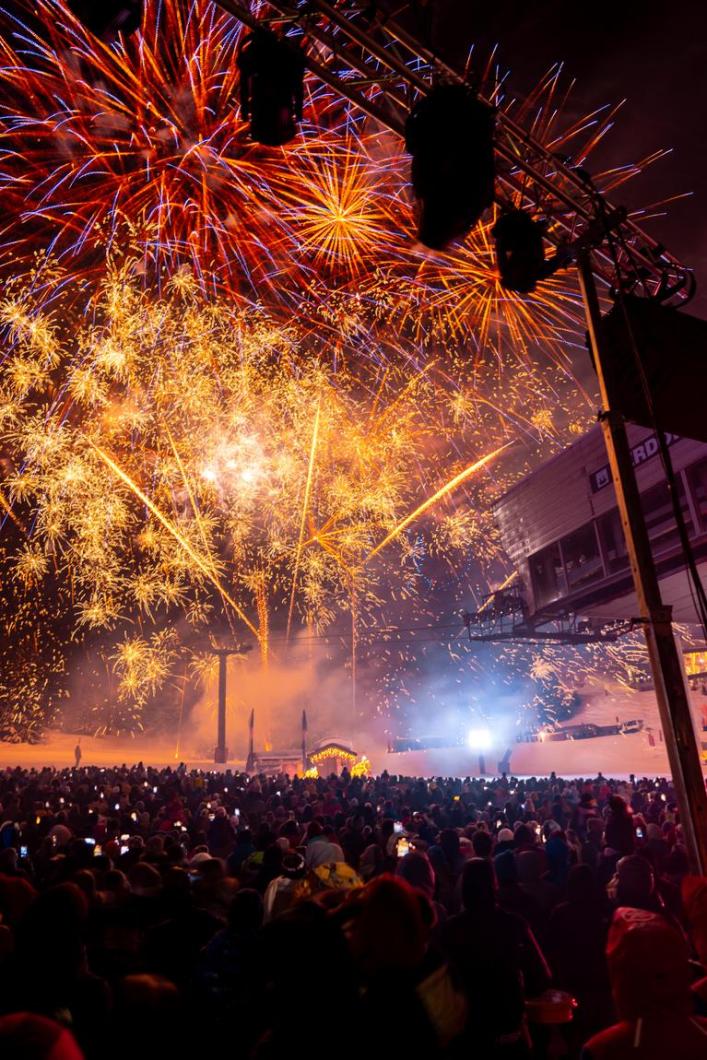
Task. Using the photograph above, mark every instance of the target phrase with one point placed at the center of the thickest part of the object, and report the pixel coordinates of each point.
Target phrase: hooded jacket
(649, 970)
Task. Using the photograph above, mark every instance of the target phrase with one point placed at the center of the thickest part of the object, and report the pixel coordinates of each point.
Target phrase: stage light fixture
(108, 18)
(449, 134)
(479, 739)
(519, 251)
(272, 86)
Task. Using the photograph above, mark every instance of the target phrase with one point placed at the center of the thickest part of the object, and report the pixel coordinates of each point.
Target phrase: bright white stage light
(479, 739)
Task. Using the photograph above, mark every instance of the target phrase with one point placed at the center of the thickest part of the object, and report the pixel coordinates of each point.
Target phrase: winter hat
(61, 834)
(323, 853)
(9, 835)
(145, 881)
(648, 963)
(293, 866)
(200, 857)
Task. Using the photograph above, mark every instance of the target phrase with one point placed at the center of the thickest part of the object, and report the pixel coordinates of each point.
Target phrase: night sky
(652, 54)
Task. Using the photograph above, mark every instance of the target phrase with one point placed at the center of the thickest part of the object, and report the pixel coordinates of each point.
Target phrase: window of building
(582, 559)
(547, 575)
(660, 517)
(697, 478)
(612, 539)
(660, 521)
(577, 559)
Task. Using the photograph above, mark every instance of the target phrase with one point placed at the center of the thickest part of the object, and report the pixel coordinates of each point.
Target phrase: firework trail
(190, 303)
(243, 469)
(141, 142)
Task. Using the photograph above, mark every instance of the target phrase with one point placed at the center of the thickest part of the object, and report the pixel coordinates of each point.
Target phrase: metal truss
(363, 53)
(504, 616)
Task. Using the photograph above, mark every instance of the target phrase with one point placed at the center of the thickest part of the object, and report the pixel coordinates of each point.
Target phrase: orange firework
(141, 143)
(143, 134)
(270, 373)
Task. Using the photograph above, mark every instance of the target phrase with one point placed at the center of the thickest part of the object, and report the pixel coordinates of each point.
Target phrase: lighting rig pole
(666, 664)
(382, 69)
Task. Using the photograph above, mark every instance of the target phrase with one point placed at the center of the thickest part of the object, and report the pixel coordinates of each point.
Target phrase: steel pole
(221, 752)
(666, 664)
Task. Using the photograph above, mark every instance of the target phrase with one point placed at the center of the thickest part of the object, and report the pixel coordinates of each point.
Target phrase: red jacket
(661, 1037)
(649, 969)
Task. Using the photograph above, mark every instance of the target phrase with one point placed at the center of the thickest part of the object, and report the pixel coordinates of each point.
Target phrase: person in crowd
(576, 940)
(30, 1037)
(416, 869)
(634, 885)
(329, 1003)
(511, 896)
(227, 968)
(164, 896)
(504, 841)
(48, 975)
(482, 843)
(557, 854)
(389, 934)
(146, 1020)
(649, 969)
(591, 845)
(496, 961)
(535, 883)
(221, 836)
(619, 833)
(448, 861)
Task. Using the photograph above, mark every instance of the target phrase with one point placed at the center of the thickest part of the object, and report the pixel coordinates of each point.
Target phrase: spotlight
(272, 86)
(108, 18)
(520, 252)
(449, 134)
(479, 739)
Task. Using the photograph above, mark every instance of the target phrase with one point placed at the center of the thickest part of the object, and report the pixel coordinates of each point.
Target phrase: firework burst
(178, 458)
(177, 451)
(145, 134)
(141, 141)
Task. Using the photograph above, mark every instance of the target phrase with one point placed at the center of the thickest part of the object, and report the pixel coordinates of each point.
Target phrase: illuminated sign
(640, 453)
(695, 662)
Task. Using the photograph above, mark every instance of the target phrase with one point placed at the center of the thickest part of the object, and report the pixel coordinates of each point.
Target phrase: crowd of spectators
(147, 912)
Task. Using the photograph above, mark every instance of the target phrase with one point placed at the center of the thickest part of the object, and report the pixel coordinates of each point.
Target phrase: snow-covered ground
(612, 755)
(57, 750)
(642, 753)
